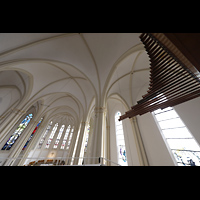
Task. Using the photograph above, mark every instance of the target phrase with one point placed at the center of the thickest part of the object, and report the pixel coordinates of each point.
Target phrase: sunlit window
(18, 132)
(45, 134)
(70, 137)
(29, 139)
(181, 142)
(121, 149)
(51, 136)
(86, 139)
(58, 137)
(65, 137)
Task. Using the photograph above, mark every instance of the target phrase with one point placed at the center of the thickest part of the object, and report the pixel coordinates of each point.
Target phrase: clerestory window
(121, 148)
(51, 136)
(58, 137)
(184, 147)
(18, 132)
(44, 135)
(29, 139)
(65, 137)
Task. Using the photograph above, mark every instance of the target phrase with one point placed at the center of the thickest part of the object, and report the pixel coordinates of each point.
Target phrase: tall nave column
(96, 149)
(80, 140)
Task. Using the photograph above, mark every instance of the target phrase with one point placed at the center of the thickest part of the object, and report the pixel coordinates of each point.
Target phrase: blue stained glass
(17, 133)
(32, 134)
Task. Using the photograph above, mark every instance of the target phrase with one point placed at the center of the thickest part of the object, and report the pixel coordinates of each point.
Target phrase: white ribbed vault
(71, 76)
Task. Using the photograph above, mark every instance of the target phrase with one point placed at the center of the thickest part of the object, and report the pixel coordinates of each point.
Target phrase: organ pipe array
(171, 82)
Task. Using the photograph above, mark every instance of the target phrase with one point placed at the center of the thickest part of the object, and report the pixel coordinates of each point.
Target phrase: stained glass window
(121, 149)
(44, 136)
(58, 137)
(51, 136)
(87, 137)
(65, 137)
(181, 142)
(32, 134)
(17, 132)
(70, 137)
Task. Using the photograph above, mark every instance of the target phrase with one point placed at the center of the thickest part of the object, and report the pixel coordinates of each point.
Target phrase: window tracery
(65, 137)
(121, 148)
(184, 147)
(51, 136)
(18, 132)
(32, 134)
(44, 136)
(58, 137)
(70, 137)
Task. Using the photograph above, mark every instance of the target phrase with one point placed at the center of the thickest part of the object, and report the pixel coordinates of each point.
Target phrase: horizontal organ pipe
(171, 83)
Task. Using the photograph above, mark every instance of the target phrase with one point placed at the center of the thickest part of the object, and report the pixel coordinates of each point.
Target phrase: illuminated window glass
(65, 137)
(44, 136)
(32, 134)
(184, 147)
(121, 149)
(58, 137)
(51, 136)
(18, 132)
(87, 137)
(70, 137)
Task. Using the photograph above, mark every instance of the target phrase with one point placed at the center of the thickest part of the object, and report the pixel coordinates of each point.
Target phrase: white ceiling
(67, 71)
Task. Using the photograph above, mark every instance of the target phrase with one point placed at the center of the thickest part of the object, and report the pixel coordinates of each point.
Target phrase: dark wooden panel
(188, 44)
(171, 81)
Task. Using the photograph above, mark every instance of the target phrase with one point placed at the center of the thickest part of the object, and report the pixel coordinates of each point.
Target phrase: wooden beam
(171, 81)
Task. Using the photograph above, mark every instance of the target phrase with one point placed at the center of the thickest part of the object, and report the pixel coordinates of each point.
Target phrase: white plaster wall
(155, 147)
(158, 153)
(132, 154)
(189, 112)
(113, 146)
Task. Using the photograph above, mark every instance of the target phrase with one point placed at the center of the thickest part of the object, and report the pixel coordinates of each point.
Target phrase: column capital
(100, 109)
(133, 119)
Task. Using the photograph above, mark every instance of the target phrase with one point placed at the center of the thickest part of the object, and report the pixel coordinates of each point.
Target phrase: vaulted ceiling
(68, 71)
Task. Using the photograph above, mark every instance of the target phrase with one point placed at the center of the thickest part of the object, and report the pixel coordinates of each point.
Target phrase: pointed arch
(121, 147)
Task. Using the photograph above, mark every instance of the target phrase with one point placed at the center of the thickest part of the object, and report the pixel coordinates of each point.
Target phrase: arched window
(51, 136)
(70, 137)
(58, 137)
(121, 149)
(65, 137)
(17, 132)
(86, 139)
(181, 142)
(44, 136)
(32, 134)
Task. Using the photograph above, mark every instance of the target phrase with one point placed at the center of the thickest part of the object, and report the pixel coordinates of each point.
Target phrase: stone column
(80, 141)
(108, 144)
(71, 147)
(96, 148)
(139, 143)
